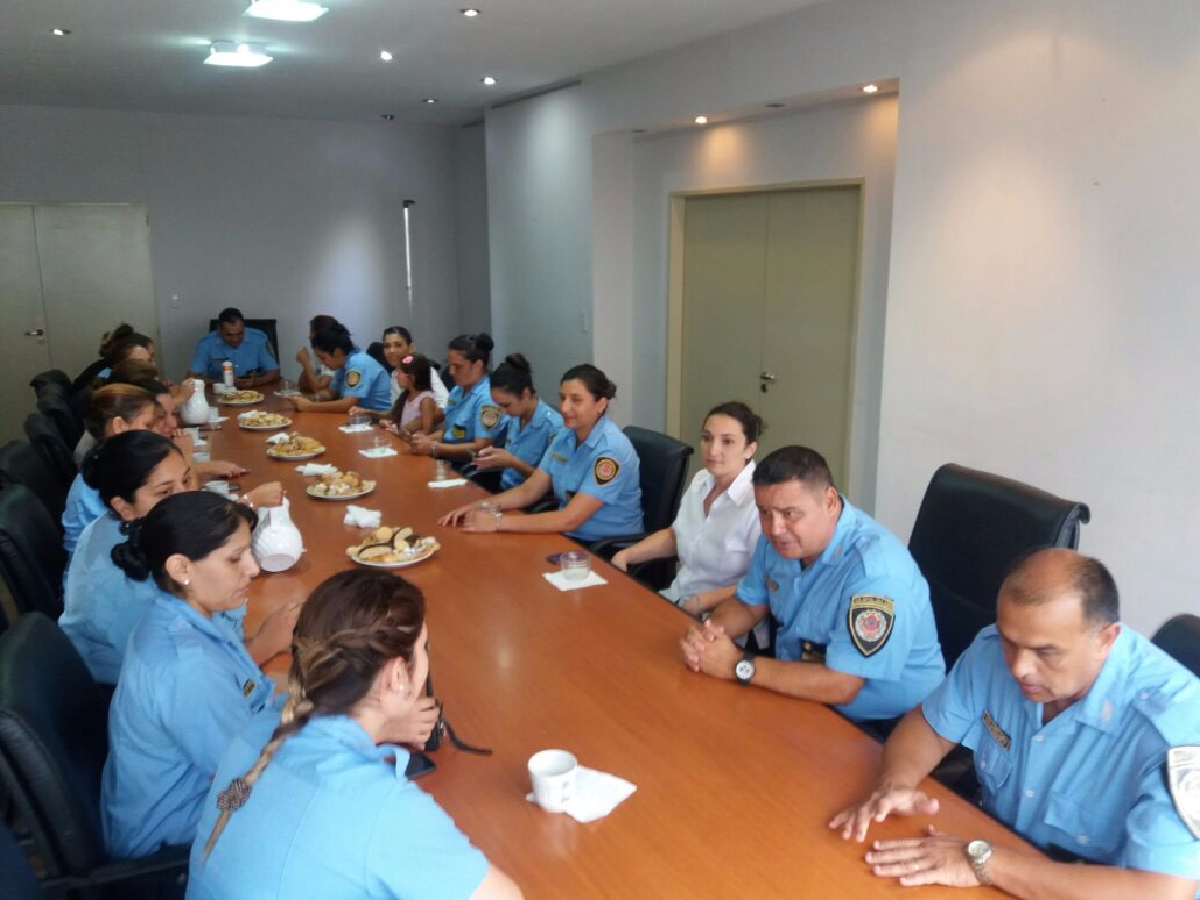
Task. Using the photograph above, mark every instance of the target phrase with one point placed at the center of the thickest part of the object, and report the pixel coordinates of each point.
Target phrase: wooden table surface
(735, 784)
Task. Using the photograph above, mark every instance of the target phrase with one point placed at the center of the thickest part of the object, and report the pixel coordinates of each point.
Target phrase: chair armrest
(635, 569)
(608, 546)
(546, 504)
(168, 861)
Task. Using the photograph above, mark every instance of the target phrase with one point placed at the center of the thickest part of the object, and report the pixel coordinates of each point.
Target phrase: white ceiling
(148, 54)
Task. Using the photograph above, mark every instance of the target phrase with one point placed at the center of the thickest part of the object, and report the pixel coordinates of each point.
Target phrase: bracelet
(434, 451)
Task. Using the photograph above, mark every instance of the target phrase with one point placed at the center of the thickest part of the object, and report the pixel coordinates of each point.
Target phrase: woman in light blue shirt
(472, 419)
(315, 802)
(357, 379)
(529, 425)
(187, 684)
(590, 467)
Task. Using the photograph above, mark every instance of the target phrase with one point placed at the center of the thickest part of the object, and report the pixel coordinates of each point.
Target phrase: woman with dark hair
(119, 344)
(717, 527)
(187, 684)
(314, 381)
(398, 343)
(414, 411)
(357, 379)
(591, 468)
(472, 420)
(530, 423)
(355, 703)
(132, 473)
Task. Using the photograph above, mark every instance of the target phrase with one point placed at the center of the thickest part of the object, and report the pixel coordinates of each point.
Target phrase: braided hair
(351, 626)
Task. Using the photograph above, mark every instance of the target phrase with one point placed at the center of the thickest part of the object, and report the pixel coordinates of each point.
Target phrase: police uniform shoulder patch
(489, 416)
(606, 469)
(248, 687)
(1183, 780)
(353, 377)
(870, 622)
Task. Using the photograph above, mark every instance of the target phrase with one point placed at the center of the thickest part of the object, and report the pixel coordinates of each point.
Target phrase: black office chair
(16, 874)
(47, 439)
(50, 376)
(489, 479)
(21, 464)
(1180, 637)
(970, 528)
(266, 326)
(663, 466)
(79, 403)
(32, 558)
(53, 743)
(52, 402)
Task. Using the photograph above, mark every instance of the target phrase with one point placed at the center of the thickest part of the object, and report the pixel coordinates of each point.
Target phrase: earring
(186, 582)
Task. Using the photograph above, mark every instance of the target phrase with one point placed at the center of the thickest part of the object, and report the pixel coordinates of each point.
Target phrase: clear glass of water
(379, 443)
(287, 386)
(491, 508)
(575, 564)
(441, 469)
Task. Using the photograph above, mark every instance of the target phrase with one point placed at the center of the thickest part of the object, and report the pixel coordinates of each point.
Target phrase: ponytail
(513, 376)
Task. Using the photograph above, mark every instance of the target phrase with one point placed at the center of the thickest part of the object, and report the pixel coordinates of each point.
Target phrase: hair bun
(484, 342)
(128, 556)
(518, 361)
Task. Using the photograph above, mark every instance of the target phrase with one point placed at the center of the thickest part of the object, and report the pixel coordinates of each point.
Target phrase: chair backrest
(32, 558)
(79, 401)
(20, 883)
(52, 402)
(970, 528)
(50, 376)
(53, 741)
(20, 463)
(663, 464)
(1180, 637)
(266, 326)
(47, 439)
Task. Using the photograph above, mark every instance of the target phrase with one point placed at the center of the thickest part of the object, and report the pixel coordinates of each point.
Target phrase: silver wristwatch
(745, 668)
(978, 853)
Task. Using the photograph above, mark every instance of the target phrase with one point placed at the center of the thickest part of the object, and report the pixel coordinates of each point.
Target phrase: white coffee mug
(553, 774)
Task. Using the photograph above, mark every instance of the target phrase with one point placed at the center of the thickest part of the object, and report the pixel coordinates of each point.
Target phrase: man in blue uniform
(246, 348)
(855, 626)
(1086, 740)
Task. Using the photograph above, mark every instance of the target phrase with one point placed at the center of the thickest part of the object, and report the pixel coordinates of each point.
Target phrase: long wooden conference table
(735, 785)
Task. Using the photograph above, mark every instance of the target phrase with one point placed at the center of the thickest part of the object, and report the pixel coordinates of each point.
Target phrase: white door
(22, 340)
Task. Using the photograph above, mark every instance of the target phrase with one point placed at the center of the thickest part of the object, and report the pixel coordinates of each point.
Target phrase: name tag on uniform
(248, 687)
(459, 431)
(997, 733)
(558, 457)
(812, 652)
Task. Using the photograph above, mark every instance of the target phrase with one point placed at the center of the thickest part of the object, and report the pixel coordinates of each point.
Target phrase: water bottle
(227, 374)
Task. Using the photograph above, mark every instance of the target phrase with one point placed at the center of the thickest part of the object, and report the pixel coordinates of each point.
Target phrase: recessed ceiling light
(701, 120)
(244, 55)
(385, 55)
(470, 12)
(488, 80)
(286, 10)
(61, 32)
(430, 100)
(387, 117)
(639, 131)
(870, 88)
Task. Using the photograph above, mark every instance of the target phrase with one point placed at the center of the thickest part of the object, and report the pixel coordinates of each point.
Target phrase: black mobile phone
(419, 764)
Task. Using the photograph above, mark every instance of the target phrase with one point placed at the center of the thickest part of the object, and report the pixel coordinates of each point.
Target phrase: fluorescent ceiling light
(61, 32)
(243, 55)
(470, 12)
(286, 10)
(385, 55)
(488, 80)
(430, 100)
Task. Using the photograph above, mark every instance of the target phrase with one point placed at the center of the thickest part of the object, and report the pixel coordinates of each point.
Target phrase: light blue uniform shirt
(1092, 781)
(332, 816)
(605, 466)
(529, 444)
(187, 687)
(362, 377)
(471, 415)
(101, 604)
(253, 354)
(861, 608)
(84, 507)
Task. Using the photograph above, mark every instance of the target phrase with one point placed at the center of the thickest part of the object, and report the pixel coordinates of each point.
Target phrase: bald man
(1087, 744)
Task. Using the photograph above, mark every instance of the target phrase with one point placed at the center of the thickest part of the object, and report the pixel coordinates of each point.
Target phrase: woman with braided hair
(187, 684)
(318, 804)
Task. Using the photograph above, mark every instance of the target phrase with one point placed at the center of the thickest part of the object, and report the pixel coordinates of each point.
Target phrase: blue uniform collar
(846, 522)
(482, 386)
(186, 617)
(598, 431)
(1103, 706)
(348, 733)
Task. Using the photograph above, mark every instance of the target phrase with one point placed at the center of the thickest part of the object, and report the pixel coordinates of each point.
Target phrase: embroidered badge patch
(771, 583)
(996, 731)
(459, 432)
(1183, 778)
(870, 622)
(353, 378)
(248, 687)
(490, 417)
(606, 469)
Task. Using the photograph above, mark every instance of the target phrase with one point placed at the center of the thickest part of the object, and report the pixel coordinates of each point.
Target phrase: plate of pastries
(393, 548)
(296, 447)
(241, 398)
(257, 420)
(341, 486)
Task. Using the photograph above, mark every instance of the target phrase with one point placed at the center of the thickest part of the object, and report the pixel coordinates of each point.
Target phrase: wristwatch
(745, 668)
(978, 853)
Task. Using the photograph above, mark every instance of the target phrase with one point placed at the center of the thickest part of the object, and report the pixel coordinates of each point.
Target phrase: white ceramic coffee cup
(553, 774)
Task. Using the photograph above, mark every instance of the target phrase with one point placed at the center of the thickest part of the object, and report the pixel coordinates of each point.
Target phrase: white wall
(1041, 314)
(281, 218)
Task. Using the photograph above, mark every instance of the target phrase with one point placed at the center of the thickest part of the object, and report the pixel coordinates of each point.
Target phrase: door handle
(35, 332)
(766, 376)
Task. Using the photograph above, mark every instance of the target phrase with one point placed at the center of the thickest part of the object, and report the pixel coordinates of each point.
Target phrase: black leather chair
(53, 743)
(970, 528)
(50, 376)
(17, 879)
(489, 479)
(1180, 637)
(47, 439)
(21, 464)
(663, 467)
(79, 402)
(266, 326)
(32, 558)
(52, 402)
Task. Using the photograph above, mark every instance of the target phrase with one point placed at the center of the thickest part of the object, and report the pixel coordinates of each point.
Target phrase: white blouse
(714, 550)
